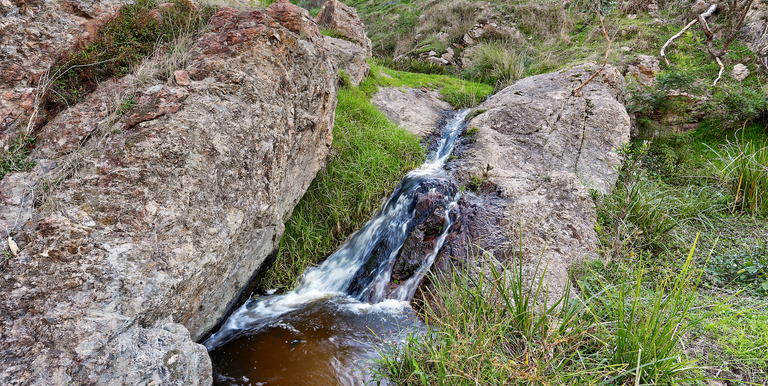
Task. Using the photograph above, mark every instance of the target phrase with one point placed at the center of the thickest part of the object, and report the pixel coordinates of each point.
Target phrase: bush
(731, 105)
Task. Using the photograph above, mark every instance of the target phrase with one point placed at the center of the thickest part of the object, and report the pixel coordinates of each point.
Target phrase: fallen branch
(701, 17)
(577, 91)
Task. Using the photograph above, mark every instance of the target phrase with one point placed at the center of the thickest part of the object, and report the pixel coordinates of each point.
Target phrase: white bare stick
(704, 15)
(722, 68)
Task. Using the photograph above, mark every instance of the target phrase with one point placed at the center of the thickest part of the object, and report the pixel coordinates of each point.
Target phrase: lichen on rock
(150, 238)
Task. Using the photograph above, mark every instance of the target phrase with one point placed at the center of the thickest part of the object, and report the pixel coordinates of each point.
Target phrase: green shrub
(732, 105)
(124, 41)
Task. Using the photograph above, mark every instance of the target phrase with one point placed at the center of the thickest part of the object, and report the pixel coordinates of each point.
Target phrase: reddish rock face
(344, 20)
(294, 18)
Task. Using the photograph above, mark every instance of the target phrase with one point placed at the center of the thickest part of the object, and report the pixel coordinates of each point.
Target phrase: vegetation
(15, 159)
(135, 33)
(369, 156)
(652, 310)
(488, 329)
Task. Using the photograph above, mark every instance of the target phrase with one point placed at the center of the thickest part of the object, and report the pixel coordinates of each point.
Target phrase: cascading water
(318, 333)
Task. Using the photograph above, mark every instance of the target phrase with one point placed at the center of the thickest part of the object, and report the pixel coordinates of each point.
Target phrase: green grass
(123, 42)
(369, 156)
(15, 159)
(486, 328)
(458, 92)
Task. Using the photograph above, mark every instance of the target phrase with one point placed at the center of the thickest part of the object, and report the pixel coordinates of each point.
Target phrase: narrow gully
(324, 331)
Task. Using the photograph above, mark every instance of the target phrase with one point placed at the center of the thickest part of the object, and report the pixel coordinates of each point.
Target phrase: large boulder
(343, 20)
(144, 234)
(33, 33)
(417, 110)
(536, 152)
(349, 57)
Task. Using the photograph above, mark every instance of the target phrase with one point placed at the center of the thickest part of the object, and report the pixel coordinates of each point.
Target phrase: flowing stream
(324, 331)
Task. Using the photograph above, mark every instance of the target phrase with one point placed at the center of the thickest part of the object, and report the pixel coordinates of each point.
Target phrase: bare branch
(701, 18)
(577, 91)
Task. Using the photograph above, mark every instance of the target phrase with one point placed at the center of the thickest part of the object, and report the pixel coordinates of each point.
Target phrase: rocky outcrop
(349, 57)
(646, 70)
(152, 225)
(537, 151)
(33, 33)
(351, 49)
(417, 110)
(343, 20)
(755, 30)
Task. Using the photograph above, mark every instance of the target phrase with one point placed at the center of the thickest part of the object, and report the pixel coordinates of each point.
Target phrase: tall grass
(499, 64)
(744, 168)
(646, 333)
(491, 328)
(368, 157)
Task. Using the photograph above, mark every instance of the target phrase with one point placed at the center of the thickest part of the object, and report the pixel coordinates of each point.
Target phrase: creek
(327, 330)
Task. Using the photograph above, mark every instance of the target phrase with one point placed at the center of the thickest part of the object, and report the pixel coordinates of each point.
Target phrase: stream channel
(326, 331)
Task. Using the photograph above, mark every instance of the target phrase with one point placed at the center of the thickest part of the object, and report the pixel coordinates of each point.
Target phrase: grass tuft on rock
(124, 41)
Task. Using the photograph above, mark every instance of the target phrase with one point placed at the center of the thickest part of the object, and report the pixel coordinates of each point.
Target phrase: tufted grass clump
(124, 41)
(15, 158)
(744, 168)
(487, 328)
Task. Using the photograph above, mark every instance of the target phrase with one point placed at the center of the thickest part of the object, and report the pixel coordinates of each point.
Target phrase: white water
(330, 281)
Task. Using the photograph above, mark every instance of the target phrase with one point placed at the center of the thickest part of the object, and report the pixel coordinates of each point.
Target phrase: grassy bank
(369, 156)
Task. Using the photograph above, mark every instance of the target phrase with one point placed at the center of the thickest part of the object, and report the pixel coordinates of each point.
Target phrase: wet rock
(157, 223)
(645, 71)
(349, 57)
(418, 110)
(416, 232)
(739, 72)
(541, 149)
(344, 20)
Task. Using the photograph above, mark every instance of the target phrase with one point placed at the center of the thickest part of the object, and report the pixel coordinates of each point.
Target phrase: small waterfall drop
(349, 297)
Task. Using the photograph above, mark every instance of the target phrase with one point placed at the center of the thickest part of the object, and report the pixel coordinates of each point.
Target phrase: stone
(182, 78)
(437, 61)
(418, 110)
(119, 273)
(646, 70)
(536, 153)
(739, 72)
(344, 20)
(31, 38)
(294, 18)
(349, 57)
(753, 31)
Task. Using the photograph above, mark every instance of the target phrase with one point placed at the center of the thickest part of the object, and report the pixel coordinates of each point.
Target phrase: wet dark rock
(424, 219)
